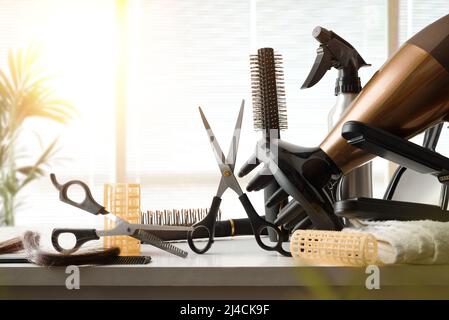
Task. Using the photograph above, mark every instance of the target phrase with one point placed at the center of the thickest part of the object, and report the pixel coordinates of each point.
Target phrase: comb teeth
(268, 90)
(130, 260)
(149, 238)
(175, 217)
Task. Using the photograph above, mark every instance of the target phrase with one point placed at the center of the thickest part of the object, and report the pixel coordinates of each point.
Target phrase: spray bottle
(336, 52)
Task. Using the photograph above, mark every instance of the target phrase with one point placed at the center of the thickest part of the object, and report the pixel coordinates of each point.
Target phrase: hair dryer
(407, 95)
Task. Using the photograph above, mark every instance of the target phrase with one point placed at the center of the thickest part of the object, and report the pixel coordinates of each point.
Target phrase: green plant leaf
(30, 170)
(19, 65)
(36, 170)
(25, 92)
(6, 84)
(11, 185)
(13, 68)
(4, 93)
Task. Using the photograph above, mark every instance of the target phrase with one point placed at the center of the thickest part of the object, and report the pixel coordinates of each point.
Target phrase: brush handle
(225, 228)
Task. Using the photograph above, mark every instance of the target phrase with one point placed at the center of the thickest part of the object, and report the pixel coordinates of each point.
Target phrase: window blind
(181, 55)
(196, 53)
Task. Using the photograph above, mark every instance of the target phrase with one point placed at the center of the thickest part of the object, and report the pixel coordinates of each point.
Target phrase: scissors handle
(260, 226)
(87, 204)
(205, 228)
(82, 236)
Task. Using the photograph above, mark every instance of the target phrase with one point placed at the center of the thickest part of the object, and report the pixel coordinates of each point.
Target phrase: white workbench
(233, 268)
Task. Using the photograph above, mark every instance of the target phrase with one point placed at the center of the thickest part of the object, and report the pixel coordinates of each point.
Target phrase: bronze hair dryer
(407, 95)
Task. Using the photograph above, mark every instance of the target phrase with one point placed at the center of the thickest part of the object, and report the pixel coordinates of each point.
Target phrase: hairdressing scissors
(141, 232)
(228, 180)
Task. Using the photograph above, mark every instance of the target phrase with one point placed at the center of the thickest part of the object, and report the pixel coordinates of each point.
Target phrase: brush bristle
(175, 217)
(268, 90)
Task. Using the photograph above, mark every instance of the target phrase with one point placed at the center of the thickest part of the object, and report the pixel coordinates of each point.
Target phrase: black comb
(129, 260)
(109, 261)
(268, 91)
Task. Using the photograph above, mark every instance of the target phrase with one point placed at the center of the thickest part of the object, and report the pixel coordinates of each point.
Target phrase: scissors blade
(118, 227)
(213, 141)
(150, 227)
(232, 153)
(150, 238)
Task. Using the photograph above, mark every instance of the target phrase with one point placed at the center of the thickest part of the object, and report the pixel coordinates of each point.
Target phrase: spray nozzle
(336, 52)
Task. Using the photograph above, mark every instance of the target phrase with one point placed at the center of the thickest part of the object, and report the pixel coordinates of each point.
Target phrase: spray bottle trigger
(322, 64)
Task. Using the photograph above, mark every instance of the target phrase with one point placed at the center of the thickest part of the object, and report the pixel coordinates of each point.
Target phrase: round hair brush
(269, 113)
(268, 92)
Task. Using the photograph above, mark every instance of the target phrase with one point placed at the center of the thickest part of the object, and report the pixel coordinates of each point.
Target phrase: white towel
(415, 242)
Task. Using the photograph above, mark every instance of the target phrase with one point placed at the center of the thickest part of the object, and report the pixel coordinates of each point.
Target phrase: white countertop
(230, 262)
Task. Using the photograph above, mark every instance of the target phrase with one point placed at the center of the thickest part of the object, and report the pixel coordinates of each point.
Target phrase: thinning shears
(228, 180)
(141, 232)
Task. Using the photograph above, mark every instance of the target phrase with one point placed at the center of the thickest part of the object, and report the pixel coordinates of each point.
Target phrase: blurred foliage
(24, 93)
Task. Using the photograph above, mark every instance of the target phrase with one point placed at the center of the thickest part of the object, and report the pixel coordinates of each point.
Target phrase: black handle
(82, 236)
(205, 226)
(391, 147)
(234, 227)
(379, 210)
(259, 225)
(88, 204)
(225, 228)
